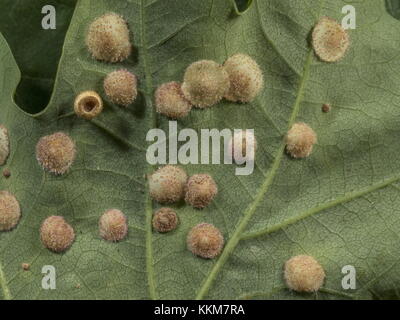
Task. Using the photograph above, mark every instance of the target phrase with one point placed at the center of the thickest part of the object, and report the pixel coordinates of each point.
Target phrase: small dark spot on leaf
(326, 107)
(25, 266)
(6, 173)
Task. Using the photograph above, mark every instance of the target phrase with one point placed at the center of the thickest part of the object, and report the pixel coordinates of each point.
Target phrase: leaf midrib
(152, 124)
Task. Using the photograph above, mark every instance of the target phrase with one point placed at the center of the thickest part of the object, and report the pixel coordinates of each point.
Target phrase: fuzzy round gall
(300, 140)
(205, 83)
(205, 240)
(88, 105)
(246, 78)
(56, 234)
(303, 274)
(167, 184)
(238, 145)
(56, 152)
(10, 211)
(113, 225)
(108, 38)
(121, 87)
(171, 102)
(4, 145)
(200, 190)
(165, 220)
(330, 41)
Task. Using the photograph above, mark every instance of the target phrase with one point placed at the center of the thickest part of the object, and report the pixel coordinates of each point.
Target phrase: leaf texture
(340, 205)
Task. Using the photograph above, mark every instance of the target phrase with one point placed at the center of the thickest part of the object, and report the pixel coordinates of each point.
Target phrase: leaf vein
(148, 206)
(317, 209)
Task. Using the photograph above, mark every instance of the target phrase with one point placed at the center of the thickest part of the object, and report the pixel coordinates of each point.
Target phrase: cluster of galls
(240, 80)
(56, 153)
(108, 40)
(206, 82)
(171, 184)
(57, 235)
(330, 42)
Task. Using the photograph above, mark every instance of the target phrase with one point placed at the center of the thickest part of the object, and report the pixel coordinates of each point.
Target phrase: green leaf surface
(340, 205)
